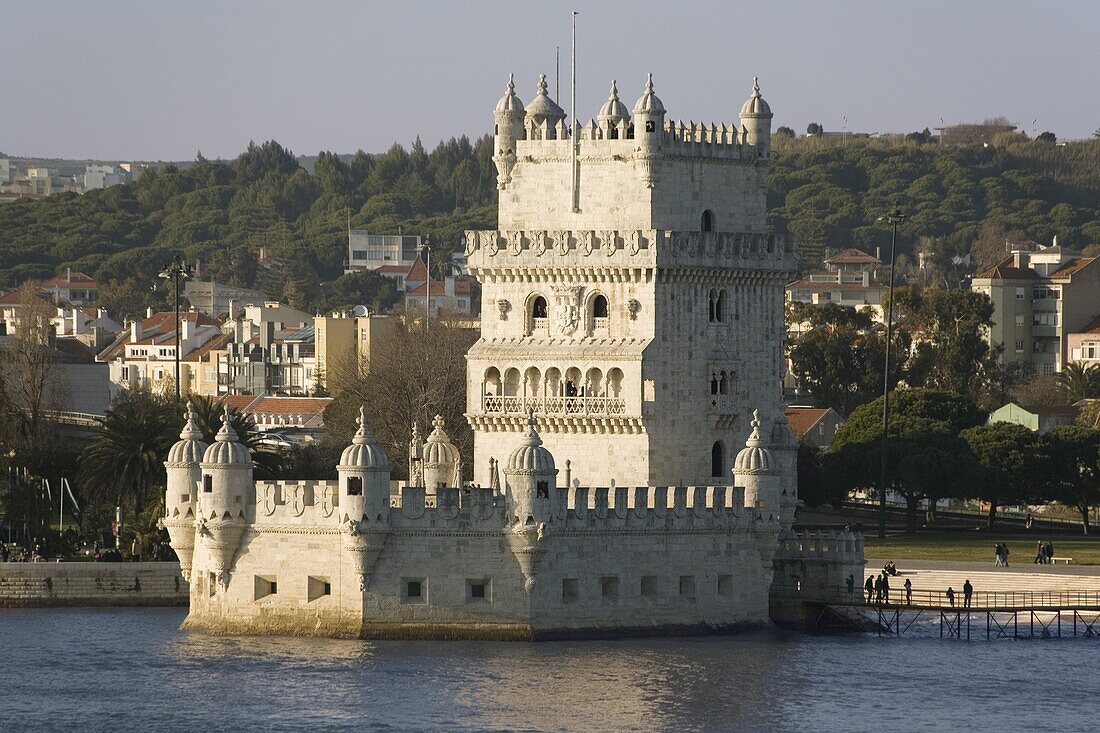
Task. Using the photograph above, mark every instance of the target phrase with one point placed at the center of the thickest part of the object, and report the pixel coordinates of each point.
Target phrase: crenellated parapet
(613, 254)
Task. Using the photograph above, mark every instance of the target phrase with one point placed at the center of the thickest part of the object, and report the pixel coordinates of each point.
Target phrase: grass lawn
(972, 546)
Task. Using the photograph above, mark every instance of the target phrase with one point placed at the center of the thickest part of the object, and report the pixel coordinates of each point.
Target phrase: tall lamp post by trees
(175, 271)
(893, 218)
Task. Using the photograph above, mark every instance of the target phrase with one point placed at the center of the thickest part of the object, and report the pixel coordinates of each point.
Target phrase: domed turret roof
(613, 110)
(755, 106)
(542, 107)
(189, 448)
(754, 457)
(439, 448)
(530, 456)
(227, 448)
(510, 102)
(782, 434)
(364, 451)
(649, 103)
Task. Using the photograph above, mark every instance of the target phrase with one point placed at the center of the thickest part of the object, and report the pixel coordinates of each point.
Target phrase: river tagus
(93, 670)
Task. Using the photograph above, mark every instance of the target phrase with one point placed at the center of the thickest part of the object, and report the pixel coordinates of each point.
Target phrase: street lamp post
(894, 218)
(175, 271)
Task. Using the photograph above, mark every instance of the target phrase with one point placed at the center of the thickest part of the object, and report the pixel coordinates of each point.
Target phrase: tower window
(538, 307)
(649, 126)
(717, 460)
(207, 483)
(355, 486)
(599, 307)
(542, 490)
(706, 223)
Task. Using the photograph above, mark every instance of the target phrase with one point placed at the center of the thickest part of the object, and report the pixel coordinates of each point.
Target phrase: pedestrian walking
(1004, 551)
(951, 596)
(1049, 552)
(878, 589)
(869, 586)
(1040, 555)
(908, 592)
(886, 589)
(999, 562)
(968, 590)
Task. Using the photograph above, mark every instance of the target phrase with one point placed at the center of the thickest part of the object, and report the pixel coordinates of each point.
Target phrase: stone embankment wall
(41, 585)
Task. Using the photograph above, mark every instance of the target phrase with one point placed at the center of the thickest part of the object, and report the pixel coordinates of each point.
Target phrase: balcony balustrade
(515, 405)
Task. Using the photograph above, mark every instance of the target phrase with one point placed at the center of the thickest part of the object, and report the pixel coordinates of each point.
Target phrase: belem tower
(639, 473)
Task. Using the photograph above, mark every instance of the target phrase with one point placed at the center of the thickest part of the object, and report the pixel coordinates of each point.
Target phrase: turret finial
(542, 85)
(755, 86)
(614, 91)
(649, 83)
(511, 83)
(227, 434)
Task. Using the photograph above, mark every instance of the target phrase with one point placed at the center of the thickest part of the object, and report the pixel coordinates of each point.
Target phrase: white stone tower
(226, 485)
(640, 327)
(364, 474)
(531, 480)
(442, 462)
(181, 491)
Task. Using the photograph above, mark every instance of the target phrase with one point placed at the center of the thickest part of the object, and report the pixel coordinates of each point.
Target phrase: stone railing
(516, 405)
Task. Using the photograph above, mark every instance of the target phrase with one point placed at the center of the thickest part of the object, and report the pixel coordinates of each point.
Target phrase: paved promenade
(937, 575)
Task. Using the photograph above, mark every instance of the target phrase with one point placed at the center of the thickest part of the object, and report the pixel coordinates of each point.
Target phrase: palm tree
(1077, 381)
(127, 460)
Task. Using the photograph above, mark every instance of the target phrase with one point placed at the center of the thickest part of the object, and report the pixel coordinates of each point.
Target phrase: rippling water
(121, 670)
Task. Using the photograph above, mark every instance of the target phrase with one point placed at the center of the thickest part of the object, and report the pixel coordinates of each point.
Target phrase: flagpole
(573, 116)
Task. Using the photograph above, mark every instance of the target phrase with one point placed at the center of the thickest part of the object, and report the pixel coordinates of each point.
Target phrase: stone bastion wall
(47, 584)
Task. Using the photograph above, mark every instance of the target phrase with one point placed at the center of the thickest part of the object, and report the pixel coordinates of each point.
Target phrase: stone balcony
(555, 406)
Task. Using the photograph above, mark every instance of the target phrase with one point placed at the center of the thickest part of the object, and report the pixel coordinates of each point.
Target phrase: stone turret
(784, 446)
(442, 462)
(756, 122)
(757, 470)
(531, 480)
(508, 116)
(364, 473)
(226, 484)
(649, 117)
(613, 115)
(181, 493)
(543, 117)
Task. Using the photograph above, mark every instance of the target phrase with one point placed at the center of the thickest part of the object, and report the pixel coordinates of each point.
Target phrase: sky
(158, 80)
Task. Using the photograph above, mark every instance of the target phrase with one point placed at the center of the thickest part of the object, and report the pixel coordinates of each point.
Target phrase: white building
(373, 251)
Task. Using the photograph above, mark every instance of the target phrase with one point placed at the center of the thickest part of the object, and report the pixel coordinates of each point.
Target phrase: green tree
(1077, 381)
(1015, 465)
(814, 128)
(1076, 457)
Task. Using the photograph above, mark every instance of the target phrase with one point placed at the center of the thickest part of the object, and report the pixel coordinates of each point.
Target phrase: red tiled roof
(853, 256)
(462, 287)
(75, 279)
(1069, 268)
(213, 344)
(824, 285)
(13, 297)
(803, 419)
(418, 271)
(1093, 327)
(310, 408)
(386, 269)
(1005, 271)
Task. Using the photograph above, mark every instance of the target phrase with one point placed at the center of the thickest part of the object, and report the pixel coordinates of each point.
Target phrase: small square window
(687, 586)
(317, 587)
(725, 585)
(355, 485)
(478, 590)
(414, 590)
(570, 590)
(264, 587)
(207, 483)
(649, 586)
(609, 588)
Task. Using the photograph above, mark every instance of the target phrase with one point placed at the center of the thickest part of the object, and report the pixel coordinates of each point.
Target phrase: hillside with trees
(827, 192)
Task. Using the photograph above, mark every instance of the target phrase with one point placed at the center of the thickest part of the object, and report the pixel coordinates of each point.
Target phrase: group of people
(968, 592)
(1001, 551)
(1044, 552)
(25, 553)
(877, 587)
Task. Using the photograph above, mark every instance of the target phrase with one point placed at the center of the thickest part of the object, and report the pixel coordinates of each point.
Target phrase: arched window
(723, 383)
(717, 460)
(706, 223)
(538, 307)
(713, 383)
(599, 307)
(720, 307)
(712, 303)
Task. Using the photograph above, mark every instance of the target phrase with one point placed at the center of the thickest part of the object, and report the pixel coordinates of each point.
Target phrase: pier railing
(938, 598)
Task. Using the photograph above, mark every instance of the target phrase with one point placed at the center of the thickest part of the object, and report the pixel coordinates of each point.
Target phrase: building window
(649, 586)
(706, 223)
(317, 587)
(1020, 293)
(725, 585)
(609, 588)
(570, 590)
(542, 490)
(716, 307)
(538, 307)
(264, 587)
(414, 590)
(207, 483)
(1019, 320)
(1019, 346)
(478, 590)
(599, 307)
(355, 486)
(717, 460)
(687, 587)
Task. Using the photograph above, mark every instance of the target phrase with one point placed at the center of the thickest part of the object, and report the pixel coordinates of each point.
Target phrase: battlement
(493, 249)
(830, 546)
(600, 139)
